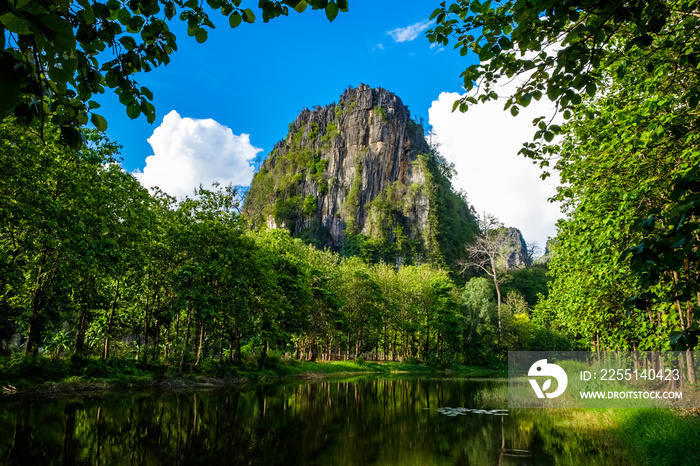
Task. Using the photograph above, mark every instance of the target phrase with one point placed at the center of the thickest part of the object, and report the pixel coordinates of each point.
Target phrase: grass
(659, 436)
(653, 437)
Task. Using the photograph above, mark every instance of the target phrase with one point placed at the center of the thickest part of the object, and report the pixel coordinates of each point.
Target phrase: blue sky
(222, 103)
(256, 78)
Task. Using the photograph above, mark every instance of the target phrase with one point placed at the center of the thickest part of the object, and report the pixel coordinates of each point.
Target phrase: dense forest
(92, 264)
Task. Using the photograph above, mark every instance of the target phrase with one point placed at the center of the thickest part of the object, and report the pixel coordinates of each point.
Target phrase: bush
(544, 339)
(411, 360)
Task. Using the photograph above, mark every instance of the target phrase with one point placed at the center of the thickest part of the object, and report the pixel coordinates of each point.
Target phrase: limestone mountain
(516, 254)
(359, 177)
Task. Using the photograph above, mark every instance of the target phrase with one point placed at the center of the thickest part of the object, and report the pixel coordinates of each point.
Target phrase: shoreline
(164, 379)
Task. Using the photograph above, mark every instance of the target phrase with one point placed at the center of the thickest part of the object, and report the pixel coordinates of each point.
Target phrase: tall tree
(486, 254)
(70, 219)
(624, 75)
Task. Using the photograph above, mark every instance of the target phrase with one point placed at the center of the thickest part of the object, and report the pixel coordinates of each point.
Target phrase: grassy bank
(653, 437)
(640, 437)
(24, 374)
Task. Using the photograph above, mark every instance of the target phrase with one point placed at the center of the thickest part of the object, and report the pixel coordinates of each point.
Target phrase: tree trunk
(105, 354)
(80, 334)
(427, 339)
(238, 348)
(157, 342)
(33, 331)
(199, 346)
(263, 355)
(498, 295)
(691, 366)
(145, 329)
(187, 335)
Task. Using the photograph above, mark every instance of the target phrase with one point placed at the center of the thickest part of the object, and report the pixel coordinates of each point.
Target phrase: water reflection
(329, 422)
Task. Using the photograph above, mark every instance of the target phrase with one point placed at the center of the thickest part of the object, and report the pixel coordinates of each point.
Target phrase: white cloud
(189, 152)
(483, 143)
(409, 33)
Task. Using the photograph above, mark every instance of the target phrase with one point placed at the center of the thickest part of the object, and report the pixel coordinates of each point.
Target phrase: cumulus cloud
(189, 152)
(409, 33)
(483, 143)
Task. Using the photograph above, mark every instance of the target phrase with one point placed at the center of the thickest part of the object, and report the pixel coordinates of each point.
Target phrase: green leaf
(675, 336)
(135, 24)
(133, 110)
(248, 16)
(235, 19)
(331, 11)
(128, 42)
(71, 136)
(99, 122)
(124, 16)
(170, 9)
(201, 35)
(301, 6)
(64, 40)
(590, 89)
(15, 24)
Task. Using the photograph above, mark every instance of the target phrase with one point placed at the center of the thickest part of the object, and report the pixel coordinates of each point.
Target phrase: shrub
(411, 360)
(309, 205)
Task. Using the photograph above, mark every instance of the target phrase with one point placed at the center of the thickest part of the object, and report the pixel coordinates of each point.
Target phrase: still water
(361, 421)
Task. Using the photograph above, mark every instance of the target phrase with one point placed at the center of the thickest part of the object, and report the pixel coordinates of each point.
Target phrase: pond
(401, 421)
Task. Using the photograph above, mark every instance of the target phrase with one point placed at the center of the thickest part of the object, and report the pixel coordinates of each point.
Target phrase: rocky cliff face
(359, 175)
(516, 255)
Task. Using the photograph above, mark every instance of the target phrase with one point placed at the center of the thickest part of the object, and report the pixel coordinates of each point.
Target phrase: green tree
(72, 225)
(361, 297)
(55, 56)
(624, 74)
(479, 311)
(284, 294)
(327, 321)
(486, 254)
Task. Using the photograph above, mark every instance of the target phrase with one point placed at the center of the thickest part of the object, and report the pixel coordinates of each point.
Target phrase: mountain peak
(358, 176)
